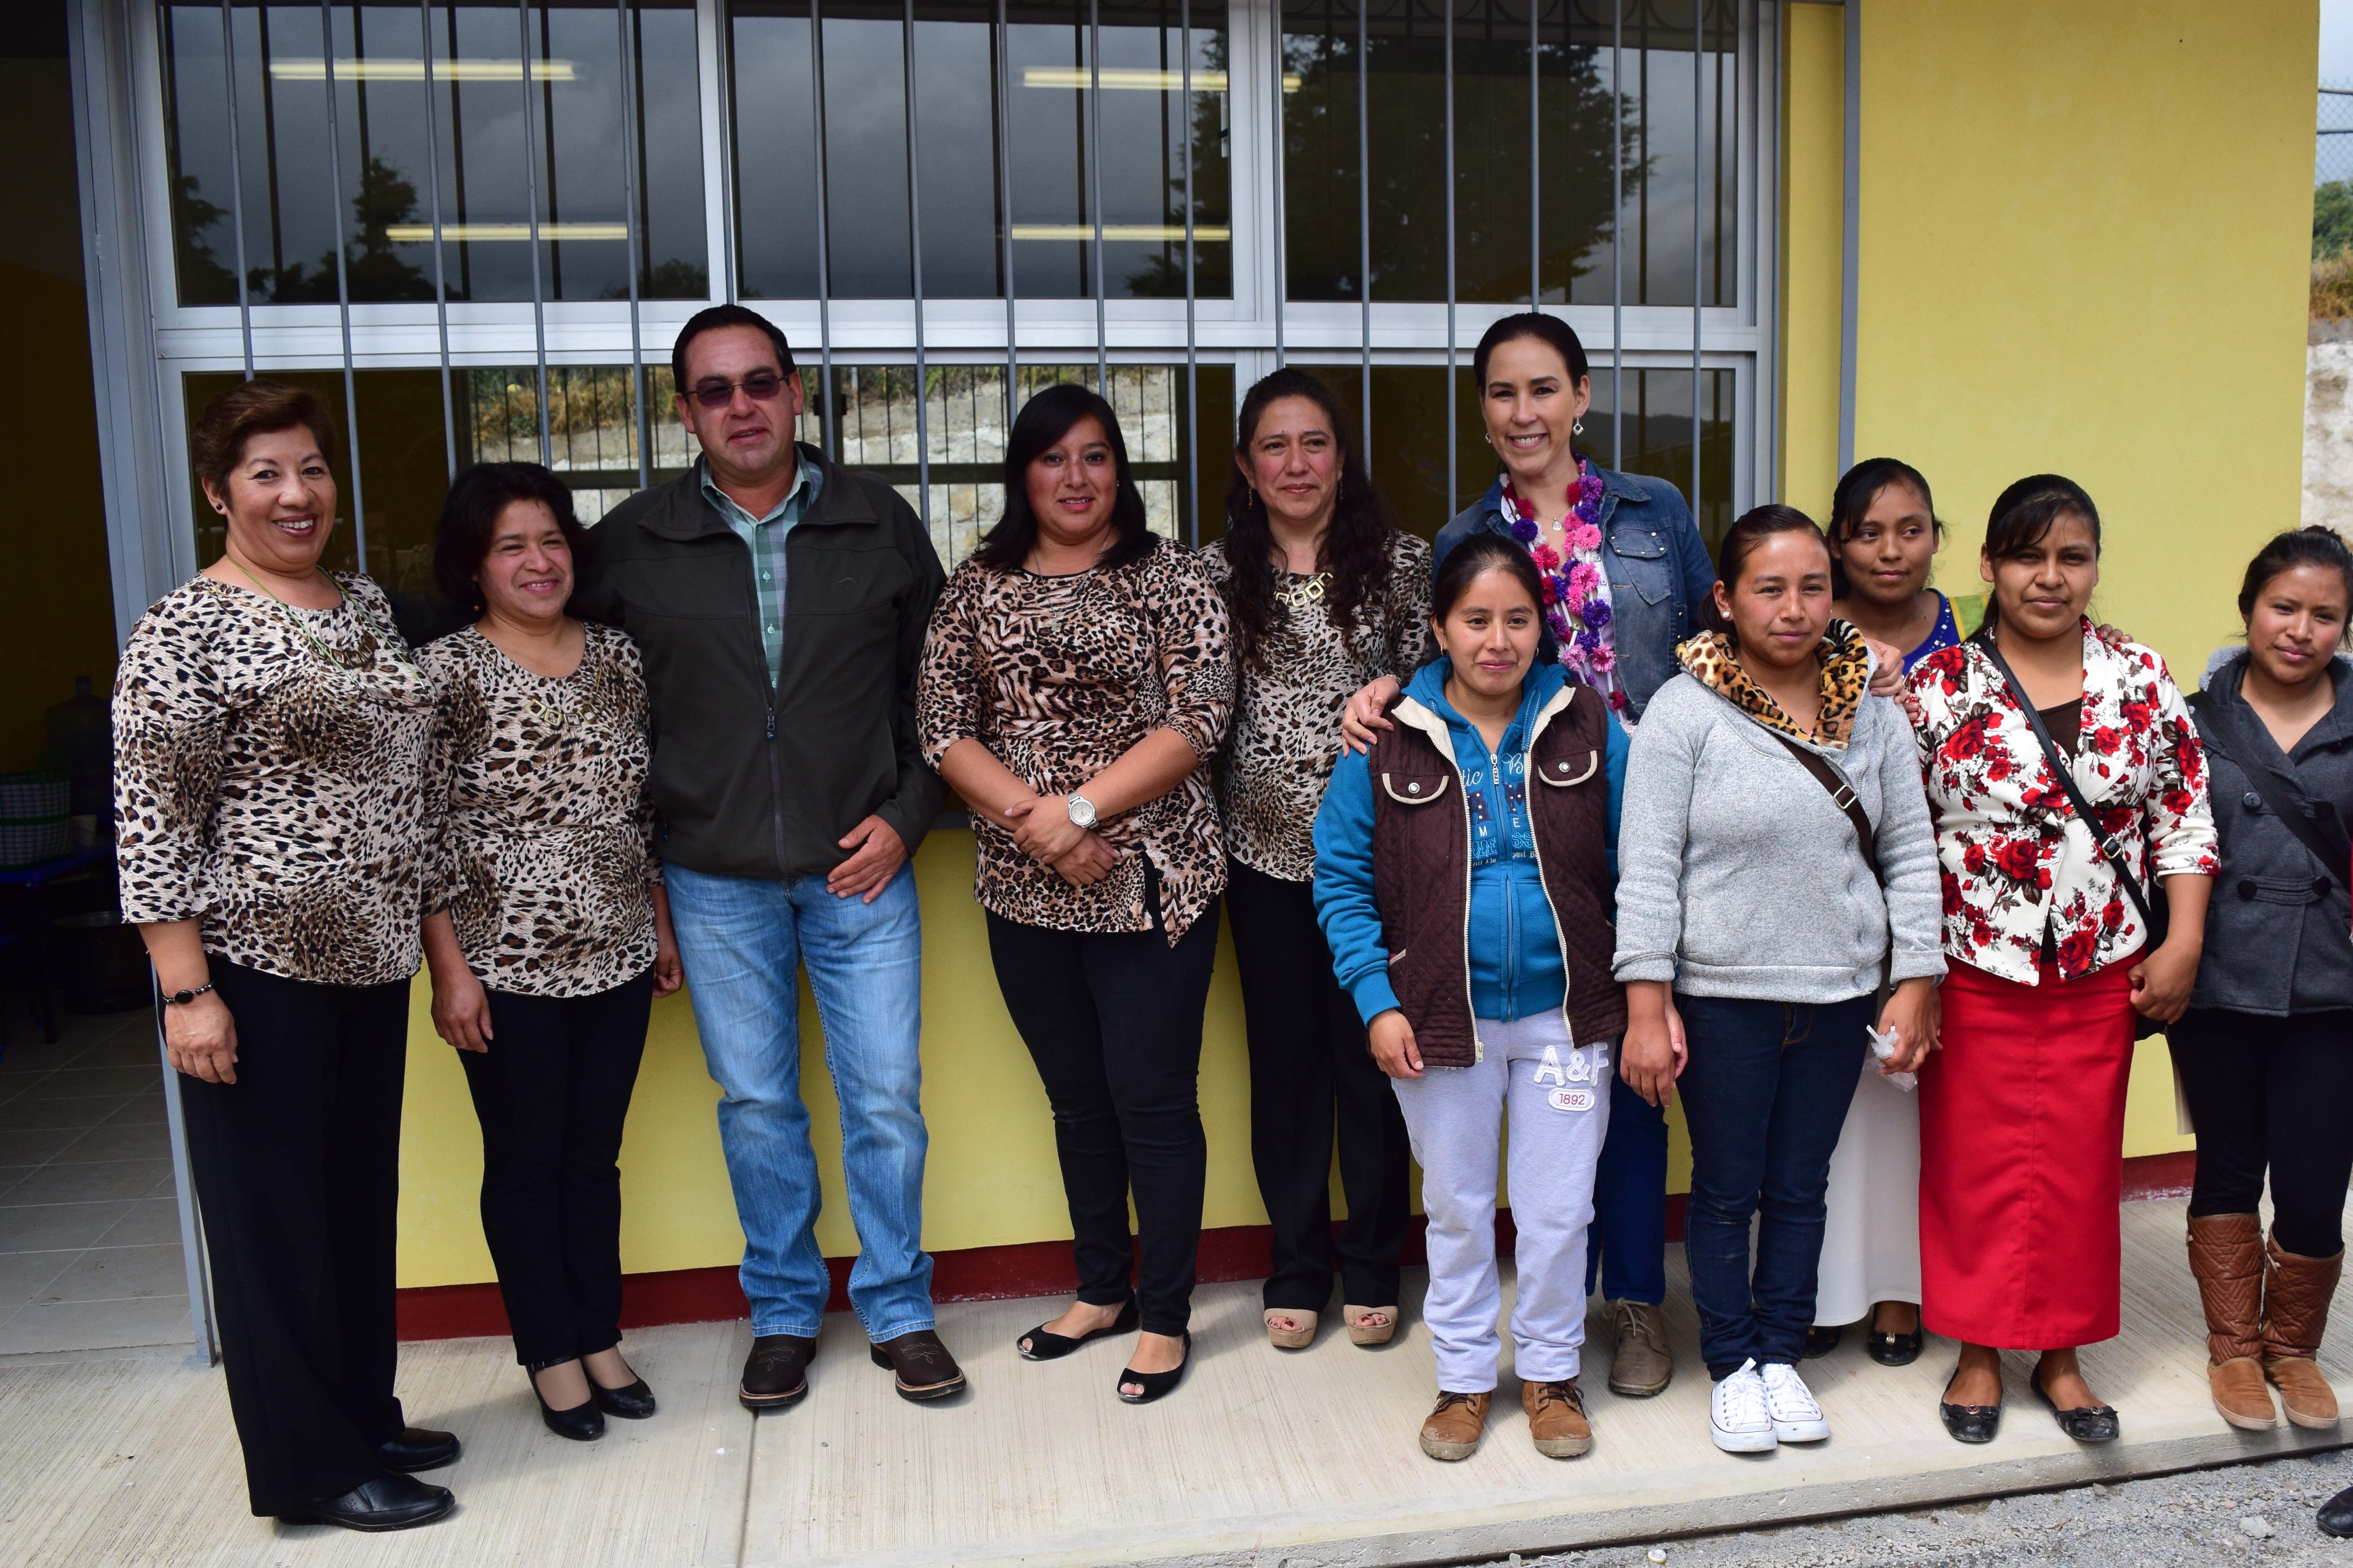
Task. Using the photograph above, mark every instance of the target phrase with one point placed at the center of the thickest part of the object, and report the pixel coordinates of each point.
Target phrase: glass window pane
(571, 87)
(1660, 214)
(1657, 434)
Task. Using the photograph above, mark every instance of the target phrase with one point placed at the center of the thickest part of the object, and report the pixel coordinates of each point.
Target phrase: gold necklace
(1306, 592)
(347, 663)
(554, 715)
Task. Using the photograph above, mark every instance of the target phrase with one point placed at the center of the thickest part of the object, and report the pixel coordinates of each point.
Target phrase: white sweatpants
(1558, 1102)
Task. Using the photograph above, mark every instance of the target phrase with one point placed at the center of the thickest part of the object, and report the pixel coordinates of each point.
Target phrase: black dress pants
(1113, 1022)
(297, 1169)
(2274, 1093)
(551, 1093)
(1310, 1068)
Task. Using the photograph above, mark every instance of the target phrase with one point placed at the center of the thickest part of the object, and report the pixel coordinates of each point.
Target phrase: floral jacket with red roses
(2013, 854)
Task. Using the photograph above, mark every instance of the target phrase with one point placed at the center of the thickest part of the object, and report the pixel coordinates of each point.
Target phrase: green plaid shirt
(765, 538)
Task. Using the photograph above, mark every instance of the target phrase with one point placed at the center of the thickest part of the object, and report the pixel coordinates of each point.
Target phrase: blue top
(1657, 564)
(1515, 963)
(1945, 633)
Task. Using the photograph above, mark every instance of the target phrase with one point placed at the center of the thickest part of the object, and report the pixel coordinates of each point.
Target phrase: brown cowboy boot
(2226, 1254)
(2296, 1293)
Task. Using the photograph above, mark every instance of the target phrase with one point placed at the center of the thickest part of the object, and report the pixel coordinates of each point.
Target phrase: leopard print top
(1286, 734)
(546, 848)
(1057, 676)
(273, 791)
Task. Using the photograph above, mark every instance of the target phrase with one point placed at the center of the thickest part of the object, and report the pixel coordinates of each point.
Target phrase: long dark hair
(1044, 420)
(1858, 492)
(1755, 527)
(470, 517)
(2313, 546)
(2022, 514)
(1355, 548)
(1482, 552)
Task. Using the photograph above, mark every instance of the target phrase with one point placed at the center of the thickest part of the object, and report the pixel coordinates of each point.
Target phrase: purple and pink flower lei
(1575, 607)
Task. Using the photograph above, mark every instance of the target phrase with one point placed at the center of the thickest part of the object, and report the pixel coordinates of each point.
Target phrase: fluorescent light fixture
(422, 233)
(1118, 79)
(1204, 233)
(414, 71)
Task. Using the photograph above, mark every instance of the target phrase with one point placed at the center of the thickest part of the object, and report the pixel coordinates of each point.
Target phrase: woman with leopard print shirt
(271, 835)
(551, 935)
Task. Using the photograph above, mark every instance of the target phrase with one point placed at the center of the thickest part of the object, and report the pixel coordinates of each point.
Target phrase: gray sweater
(1737, 874)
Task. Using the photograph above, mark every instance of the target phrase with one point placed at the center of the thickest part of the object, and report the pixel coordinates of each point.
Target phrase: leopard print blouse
(1058, 675)
(1286, 734)
(269, 780)
(546, 841)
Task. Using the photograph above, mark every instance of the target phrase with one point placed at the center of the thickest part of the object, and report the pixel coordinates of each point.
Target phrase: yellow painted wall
(2064, 267)
(2084, 249)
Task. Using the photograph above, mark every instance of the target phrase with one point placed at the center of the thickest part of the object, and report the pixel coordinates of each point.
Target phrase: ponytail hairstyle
(1740, 542)
(1354, 549)
(1858, 492)
(2314, 546)
(1481, 553)
(2022, 514)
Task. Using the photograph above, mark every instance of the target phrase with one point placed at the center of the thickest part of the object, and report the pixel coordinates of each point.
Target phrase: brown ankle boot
(2296, 1293)
(1556, 1419)
(1455, 1423)
(2226, 1255)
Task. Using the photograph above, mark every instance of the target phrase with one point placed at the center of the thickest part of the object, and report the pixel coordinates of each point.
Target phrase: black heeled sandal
(1040, 1345)
(583, 1423)
(2085, 1423)
(1154, 1383)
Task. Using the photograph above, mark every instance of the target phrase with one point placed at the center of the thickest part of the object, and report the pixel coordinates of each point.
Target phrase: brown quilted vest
(1421, 871)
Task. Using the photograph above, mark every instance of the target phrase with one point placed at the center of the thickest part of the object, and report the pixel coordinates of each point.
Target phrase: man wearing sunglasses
(780, 602)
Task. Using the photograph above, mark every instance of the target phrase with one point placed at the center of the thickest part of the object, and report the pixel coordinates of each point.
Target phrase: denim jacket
(1658, 566)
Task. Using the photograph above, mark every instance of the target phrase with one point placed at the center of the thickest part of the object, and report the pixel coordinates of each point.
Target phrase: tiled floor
(89, 1225)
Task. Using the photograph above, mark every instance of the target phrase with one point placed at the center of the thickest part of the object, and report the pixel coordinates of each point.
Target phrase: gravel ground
(2259, 1513)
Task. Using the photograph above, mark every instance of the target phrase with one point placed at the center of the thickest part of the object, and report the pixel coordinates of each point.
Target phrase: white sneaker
(1737, 1414)
(1790, 1404)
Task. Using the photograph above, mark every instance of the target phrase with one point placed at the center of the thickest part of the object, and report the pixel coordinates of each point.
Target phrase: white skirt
(1871, 1244)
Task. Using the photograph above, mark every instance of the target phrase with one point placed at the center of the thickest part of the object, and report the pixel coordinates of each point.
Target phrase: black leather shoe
(387, 1503)
(925, 1370)
(419, 1448)
(2085, 1423)
(2336, 1516)
(633, 1403)
(1820, 1342)
(1895, 1350)
(776, 1371)
(583, 1423)
(1969, 1423)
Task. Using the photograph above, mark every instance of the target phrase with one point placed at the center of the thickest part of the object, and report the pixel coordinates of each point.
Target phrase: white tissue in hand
(1883, 1046)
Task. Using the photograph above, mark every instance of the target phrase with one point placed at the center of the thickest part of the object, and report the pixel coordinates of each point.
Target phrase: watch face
(1082, 811)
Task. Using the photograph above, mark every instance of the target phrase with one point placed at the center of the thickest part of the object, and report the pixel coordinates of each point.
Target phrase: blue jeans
(743, 940)
(1765, 1094)
(1627, 1252)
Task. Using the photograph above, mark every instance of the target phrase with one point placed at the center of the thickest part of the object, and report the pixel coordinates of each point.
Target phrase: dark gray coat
(2279, 928)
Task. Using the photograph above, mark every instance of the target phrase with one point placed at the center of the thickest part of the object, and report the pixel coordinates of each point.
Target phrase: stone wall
(2329, 424)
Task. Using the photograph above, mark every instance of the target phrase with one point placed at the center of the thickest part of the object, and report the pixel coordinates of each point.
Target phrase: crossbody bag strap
(2334, 850)
(2058, 761)
(1842, 796)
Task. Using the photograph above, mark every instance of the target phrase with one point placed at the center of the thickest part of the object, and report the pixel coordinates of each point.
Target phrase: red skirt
(2022, 1158)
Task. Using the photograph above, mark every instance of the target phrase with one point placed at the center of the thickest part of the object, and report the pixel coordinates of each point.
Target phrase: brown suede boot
(2296, 1293)
(2226, 1255)
(1556, 1419)
(1455, 1425)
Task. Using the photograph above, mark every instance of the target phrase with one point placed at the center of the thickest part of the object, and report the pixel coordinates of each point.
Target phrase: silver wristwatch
(1082, 811)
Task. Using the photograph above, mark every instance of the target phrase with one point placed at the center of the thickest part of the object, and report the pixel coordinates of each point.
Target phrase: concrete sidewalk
(1262, 1458)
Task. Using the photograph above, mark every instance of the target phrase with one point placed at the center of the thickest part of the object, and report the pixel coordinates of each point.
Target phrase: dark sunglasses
(758, 388)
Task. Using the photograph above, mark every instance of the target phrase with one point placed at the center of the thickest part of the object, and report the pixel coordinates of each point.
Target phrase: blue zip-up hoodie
(1515, 960)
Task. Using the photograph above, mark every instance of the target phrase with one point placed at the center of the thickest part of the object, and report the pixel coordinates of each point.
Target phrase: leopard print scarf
(1846, 677)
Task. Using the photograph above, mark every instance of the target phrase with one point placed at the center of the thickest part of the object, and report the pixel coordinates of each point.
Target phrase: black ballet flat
(1969, 1423)
(1154, 1383)
(1040, 1345)
(634, 1402)
(1895, 1350)
(2085, 1423)
(1820, 1342)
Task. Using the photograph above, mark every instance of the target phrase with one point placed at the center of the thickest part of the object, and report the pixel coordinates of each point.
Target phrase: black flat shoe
(1969, 1423)
(583, 1423)
(419, 1448)
(1895, 1350)
(634, 1402)
(1040, 1345)
(2085, 1423)
(1154, 1383)
(387, 1503)
(1820, 1342)
(2336, 1516)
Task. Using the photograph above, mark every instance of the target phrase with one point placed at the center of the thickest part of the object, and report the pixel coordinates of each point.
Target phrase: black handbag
(2154, 913)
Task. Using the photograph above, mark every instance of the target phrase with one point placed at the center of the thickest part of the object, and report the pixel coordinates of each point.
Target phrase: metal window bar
(631, 235)
(440, 282)
(1536, 152)
(1699, 44)
(1616, 235)
(915, 261)
(342, 284)
(1364, 232)
(724, 18)
(832, 435)
(531, 204)
(1095, 188)
(237, 184)
(1003, 43)
(1274, 146)
(1453, 481)
(1192, 356)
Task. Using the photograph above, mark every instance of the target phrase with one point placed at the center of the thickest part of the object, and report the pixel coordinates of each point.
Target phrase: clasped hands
(1042, 829)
